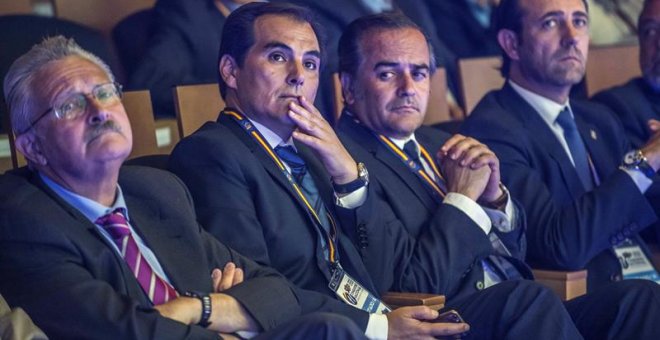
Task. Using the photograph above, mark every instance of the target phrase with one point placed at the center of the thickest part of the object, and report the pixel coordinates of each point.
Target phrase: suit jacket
(447, 239)
(182, 50)
(569, 228)
(635, 103)
(243, 199)
(459, 29)
(59, 268)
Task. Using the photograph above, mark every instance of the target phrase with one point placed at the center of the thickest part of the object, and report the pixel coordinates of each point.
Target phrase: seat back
(196, 105)
(477, 77)
(141, 115)
(437, 110)
(610, 66)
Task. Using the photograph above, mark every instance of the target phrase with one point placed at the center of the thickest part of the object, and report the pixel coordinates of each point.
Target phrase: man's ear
(347, 88)
(508, 40)
(29, 146)
(228, 69)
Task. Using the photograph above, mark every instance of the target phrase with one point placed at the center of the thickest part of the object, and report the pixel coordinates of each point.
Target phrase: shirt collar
(92, 210)
(271, 137)
(546, 108)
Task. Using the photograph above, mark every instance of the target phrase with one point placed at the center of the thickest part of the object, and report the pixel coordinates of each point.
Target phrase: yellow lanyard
(252, 131)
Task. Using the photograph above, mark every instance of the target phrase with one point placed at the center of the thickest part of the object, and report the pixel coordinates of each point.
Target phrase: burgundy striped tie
(158, 290)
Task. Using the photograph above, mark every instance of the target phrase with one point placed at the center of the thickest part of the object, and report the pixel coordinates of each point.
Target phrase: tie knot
(289, 155)
(411, 149)
(565, 120)
(115, 224)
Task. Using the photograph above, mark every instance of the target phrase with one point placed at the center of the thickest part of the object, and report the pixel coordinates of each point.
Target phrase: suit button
(615, 277)
(479, 285)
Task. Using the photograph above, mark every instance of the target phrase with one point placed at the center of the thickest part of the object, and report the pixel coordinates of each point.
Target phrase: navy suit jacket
(59, 268)
(568, 228)
(244, 200)
(446, 238)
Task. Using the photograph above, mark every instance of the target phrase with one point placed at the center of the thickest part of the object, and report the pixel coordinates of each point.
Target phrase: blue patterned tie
(577, 148)
(299, 171)
(289, 155)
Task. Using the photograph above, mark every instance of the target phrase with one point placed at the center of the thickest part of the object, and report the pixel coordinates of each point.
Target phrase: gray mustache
(109, 125)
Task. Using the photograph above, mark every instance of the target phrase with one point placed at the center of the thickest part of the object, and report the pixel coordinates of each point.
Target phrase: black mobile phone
(451, 316)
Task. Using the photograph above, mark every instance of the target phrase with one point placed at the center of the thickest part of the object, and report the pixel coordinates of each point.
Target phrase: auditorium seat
(196, 105)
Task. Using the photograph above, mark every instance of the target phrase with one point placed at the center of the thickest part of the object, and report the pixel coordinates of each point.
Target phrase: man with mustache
(637, 103)
(96, 250)
(271, 179)
(385, 76)
(564, 158)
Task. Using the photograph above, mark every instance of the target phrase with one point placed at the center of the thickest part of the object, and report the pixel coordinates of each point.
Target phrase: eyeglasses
(74, 105)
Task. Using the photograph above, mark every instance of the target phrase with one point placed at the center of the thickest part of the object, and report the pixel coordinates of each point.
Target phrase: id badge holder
(351, 292)
(634, 263)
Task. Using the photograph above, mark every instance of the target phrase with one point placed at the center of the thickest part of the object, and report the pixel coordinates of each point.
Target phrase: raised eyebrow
(276, 44)
(420, 67)
(314, 53)
(385, 64)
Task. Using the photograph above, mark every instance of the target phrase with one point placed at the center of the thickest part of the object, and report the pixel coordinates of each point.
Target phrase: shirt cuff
(503, 220)
(470, 208)
(377, 327)
(643, 183)
(352, 200)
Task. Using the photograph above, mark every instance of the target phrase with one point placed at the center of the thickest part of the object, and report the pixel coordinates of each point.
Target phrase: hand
(463, 161)
(229, 316)
(412, 322)
(652, 148)
(314, 131)
(223, 280)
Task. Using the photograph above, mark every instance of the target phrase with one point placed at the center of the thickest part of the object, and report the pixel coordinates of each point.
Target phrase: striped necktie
(158, 290)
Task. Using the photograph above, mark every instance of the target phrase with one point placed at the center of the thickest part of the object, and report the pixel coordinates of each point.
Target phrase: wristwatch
(206, 306)
(635, 160)
(361, 181)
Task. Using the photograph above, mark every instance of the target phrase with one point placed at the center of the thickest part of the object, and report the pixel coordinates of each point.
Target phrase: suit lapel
(590, 135)
(539, 132)
(366, 139)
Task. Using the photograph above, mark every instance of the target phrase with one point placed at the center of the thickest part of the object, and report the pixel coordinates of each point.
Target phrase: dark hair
(349, 43)
(238, 31)
(509, 15)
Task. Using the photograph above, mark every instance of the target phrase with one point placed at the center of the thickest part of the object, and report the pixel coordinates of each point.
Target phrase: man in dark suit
(92, 249)
(564, 160)
(273, 169)
(637, 103)
(385, 80)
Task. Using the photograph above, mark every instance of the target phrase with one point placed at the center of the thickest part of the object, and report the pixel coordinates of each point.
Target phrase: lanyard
(331, 236)
(417, 169)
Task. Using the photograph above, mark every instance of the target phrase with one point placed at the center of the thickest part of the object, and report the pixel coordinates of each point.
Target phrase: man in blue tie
(272, 179)
(386, 71)
(96, 250)
(567, 161)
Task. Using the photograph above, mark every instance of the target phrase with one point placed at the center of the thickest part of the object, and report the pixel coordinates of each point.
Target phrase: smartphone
(451, 316)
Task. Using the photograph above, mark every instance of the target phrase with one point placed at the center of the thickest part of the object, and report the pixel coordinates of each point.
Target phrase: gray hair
(18, 84)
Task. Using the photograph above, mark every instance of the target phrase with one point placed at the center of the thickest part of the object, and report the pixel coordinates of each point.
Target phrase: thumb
(423, 313)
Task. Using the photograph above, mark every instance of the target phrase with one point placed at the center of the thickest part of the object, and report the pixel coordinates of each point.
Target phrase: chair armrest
(566, 284)
(396, 300)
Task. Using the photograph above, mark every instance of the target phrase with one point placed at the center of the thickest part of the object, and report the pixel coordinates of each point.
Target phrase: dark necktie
(411, 149)
(299, 172)
(158, 290)
(577, 148)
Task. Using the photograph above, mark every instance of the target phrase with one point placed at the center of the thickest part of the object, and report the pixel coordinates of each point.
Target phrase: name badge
(352, 293)
(634, 263)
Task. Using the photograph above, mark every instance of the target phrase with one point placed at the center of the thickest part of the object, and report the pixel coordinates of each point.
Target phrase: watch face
(631, 158)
